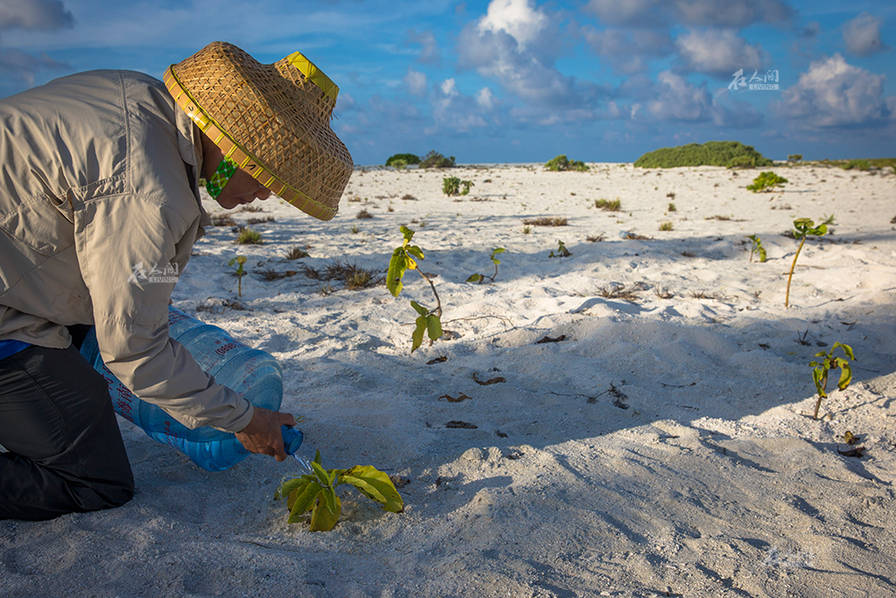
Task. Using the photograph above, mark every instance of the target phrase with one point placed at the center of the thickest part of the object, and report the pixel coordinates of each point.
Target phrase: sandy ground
(661, 448)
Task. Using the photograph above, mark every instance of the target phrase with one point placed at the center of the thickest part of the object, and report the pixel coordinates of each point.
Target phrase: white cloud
(516, 18)
(718, 52)
(485, 98)
(862, 35)
(679, 100)
(34, 14)
(416, 82)
(833, 93)
(449, 87)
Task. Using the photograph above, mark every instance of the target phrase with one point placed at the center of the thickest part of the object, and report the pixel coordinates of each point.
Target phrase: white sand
(701, 475)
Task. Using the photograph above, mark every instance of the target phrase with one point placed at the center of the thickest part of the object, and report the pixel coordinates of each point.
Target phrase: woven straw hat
(272, 120)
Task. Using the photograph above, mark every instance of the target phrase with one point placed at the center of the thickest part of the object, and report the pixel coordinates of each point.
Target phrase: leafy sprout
(827, 363)
(240, 272)
(803, 227)
(480, 278)
(405, 258)
(316, 492)
(757, 248)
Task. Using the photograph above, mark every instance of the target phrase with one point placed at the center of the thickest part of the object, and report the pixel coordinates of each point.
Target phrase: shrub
(561, 163)
(666, 226)
(434, 159)
(794, 157)
(401, 160)
(711, 153)
(454, 186)
(766, 181)
(858, 164)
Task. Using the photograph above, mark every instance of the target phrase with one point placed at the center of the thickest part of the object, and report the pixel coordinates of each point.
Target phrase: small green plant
(561, 163)
(802, 228)
(607, 205)
(405, 258)
(671, 207)
(562, 251)
(527, 230)
(766, 181)
(757, 248)
(248, 236)
(452, 186)
(827, 363)
(240, 272)
(666, 226)
(316, 492)
(480, 278)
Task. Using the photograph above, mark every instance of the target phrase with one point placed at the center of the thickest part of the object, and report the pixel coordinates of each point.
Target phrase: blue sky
(520, 80)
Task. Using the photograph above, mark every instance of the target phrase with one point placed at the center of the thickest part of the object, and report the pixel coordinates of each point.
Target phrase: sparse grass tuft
(666, 226)
(296, 253)
(250, 208)
(364, 214)
(546, 221)
(671, 207)
(607, 205)
(247, 236)
(260, 220)
(596, 238)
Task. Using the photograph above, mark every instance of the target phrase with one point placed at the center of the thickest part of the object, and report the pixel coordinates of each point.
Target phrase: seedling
(405, 258)
(666, 226)
(827, 363)
(240, 272)
(766, 181)
(316, 492)
(757, 248)
(804, 227)
(562, 251)
(480, 278)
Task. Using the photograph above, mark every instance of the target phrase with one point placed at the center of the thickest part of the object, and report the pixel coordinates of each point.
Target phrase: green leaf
(417, 336)
(433, 327)
(419, 308)
(474, 278)
(397, 267)
(845, 375)
(303, 501)
(322, 519)
(288, 486)
(376, 485)
(846, 349)
(317, 456)
(320, 472)
(415, 251)
(329, 495)
(408, 233)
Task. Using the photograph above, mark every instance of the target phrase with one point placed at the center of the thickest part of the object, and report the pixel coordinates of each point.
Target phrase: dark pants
(65, 449)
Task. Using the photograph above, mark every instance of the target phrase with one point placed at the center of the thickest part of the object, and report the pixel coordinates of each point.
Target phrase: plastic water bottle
(253, 373)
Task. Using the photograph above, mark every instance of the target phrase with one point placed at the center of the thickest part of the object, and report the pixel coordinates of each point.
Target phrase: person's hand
(263, 435)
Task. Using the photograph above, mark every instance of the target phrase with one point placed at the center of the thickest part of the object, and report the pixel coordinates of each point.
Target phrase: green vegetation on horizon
(712, 153)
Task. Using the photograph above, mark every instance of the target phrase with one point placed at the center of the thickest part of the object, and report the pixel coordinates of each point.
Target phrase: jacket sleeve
(118, 237)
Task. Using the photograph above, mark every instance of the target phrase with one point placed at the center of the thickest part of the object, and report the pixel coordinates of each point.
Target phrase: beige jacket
(99, 173)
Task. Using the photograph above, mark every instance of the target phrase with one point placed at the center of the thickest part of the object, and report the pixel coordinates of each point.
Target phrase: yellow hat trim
(314, 74)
